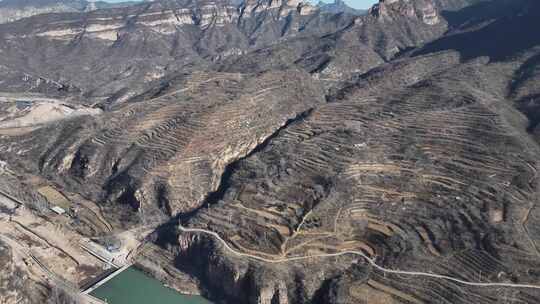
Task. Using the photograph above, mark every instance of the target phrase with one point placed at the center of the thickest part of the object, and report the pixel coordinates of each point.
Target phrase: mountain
(272, 147)
(106, 56)
(119, 65)
(339, 6)
(12, 10)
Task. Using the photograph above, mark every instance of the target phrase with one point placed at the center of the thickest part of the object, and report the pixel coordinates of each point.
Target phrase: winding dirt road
(361, 254)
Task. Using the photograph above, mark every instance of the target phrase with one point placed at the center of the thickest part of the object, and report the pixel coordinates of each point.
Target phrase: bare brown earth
(41, 253)
(16, 284)
(409, 135)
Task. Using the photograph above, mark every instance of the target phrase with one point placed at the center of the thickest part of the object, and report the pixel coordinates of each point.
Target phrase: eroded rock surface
(284, 138)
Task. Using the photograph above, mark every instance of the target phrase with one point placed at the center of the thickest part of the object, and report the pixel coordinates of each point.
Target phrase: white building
(58, 210)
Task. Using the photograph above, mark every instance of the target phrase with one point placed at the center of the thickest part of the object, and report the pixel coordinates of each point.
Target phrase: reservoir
(133, 286)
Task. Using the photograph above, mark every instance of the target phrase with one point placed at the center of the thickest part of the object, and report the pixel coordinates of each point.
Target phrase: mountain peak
(252, 7)
(424, 10)
(339, 6)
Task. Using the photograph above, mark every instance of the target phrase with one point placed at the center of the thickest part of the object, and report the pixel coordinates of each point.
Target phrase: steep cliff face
(164, 17)
(240, 280)
(353, 48)
(391, 9)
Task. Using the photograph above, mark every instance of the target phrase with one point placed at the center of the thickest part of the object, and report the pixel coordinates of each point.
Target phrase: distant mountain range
(339, 6)
(108, 53)
(12, 10)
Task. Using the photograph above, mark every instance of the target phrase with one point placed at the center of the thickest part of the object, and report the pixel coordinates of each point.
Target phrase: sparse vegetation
(62, 296)
(272, 149)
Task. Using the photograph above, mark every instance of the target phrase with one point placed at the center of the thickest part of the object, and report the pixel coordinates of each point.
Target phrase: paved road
(361, 254)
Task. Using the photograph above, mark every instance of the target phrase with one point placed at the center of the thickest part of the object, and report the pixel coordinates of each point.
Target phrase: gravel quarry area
(26, 113)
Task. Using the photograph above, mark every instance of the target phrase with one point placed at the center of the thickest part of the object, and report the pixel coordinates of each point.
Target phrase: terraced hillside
(439, 176)
(171, 148)
(423, 169)
(110, 55)
(305, 158)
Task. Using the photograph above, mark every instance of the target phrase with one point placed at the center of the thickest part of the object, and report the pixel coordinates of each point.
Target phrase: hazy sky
(352, 3)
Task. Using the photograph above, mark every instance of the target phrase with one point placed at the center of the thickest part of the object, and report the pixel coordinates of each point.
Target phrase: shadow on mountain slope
(499, 40)
(481, 12)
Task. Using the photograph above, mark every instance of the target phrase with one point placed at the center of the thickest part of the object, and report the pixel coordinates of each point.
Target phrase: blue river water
(133, 286)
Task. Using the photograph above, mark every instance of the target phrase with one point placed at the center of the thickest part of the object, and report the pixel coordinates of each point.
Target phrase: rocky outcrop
(424, 10)
(241, 280)
(161, 16)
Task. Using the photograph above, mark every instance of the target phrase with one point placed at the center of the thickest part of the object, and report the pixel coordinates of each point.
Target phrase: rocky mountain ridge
(13, 10)
(389, 9)
(339, 6)
(140, 44)
(409, 134)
